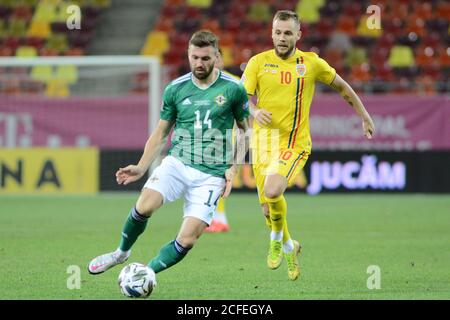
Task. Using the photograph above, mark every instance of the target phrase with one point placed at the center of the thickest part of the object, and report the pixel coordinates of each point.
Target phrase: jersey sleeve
(168, 108)
(325, 73)
(249, 78)
(240, 105)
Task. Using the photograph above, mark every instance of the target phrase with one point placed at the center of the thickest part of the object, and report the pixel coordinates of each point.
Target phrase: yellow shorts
(287, 162)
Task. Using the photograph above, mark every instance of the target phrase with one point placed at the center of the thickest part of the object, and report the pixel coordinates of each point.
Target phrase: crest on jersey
(220, 100)
(301, 70)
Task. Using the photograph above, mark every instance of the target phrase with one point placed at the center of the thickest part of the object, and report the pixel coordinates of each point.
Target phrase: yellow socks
(277, 211)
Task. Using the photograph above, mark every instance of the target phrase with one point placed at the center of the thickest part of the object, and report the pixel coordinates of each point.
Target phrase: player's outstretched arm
(153, 147)
(349, 95)
(242, 146)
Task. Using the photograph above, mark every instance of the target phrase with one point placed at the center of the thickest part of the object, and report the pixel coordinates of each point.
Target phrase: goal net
(68, 123)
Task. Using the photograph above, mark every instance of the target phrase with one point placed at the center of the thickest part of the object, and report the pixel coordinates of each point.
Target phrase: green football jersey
(204, 120)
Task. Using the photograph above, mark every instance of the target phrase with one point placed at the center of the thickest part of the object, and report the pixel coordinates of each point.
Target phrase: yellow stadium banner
(45, 170)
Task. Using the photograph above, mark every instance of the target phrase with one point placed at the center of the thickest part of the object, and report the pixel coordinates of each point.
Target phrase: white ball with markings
(137, 280)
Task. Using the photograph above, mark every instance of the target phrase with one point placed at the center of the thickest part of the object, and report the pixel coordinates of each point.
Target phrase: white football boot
(106, 261)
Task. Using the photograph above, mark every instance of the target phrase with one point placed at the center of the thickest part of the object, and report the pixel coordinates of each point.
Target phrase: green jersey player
(202, 107)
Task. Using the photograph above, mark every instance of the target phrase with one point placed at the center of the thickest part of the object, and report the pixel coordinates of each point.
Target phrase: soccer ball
(137, 280)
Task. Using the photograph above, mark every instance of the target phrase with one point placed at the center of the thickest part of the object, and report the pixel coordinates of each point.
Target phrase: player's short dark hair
(285, 15)
(204, 38)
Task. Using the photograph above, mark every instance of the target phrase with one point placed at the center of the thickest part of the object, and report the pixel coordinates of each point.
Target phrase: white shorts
(173, 179)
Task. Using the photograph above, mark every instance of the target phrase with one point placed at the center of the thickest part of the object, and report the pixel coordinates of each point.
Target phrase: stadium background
(65, 129)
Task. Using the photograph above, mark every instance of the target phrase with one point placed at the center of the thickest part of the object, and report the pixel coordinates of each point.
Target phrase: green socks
(133, 228)
(170, 254)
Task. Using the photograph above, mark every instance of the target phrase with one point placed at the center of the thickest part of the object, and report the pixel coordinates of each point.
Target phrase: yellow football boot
(275, 255)
(292, 261)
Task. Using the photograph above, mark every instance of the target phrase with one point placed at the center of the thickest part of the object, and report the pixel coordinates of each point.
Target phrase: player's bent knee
(149, 201)
(272, 193)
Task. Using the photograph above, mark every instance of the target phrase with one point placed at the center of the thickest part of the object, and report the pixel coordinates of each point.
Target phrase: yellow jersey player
(283, 80)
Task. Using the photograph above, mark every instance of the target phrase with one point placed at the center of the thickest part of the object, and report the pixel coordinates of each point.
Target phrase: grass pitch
(406, 236)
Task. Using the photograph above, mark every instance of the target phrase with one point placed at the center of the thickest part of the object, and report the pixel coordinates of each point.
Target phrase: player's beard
(204, 72)
(286, 54)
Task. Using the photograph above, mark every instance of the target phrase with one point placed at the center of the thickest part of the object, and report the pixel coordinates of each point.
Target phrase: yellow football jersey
(285, 88)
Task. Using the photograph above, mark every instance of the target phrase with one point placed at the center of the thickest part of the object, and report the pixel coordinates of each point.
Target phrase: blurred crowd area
(409, 53)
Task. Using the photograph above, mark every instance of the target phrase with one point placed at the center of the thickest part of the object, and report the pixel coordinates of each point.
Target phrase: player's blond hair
(285, 15)
(204, 38)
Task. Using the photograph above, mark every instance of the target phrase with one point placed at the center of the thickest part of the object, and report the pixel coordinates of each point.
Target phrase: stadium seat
(401, 56)
(174, 57)
(31, 3)
(308, 11)
(31, 87)
(186, 25)
(325, 26)
(444, 57)
(57, 42)
(393, 26)
(384, 73)
(443, 10)
(363, 29)
(227, 56)
(426, 56)
(433, 71)
(3, 29)
(35, 42)
(7, 3)
(431, 40)
(12, 42)
(45, 11)
(26, 51)
(42, 73)
(226, 39)
(157, 44)
(353, 9)
(4, 13)
(174, 2)
(211, 24)
(346, 24)
(74, 52)
(330, 9)
(356, 56)
(6, 51)
(39, 29)
(360, 73)
(22, 12)
(335, 57)
(79, 38)
(415, 23)
(164, 24)
(259, 11)
(399, 10)
(101, 3)
(57, 88)
(17, 28)
(199, 3)
(425, 85)
(48, 52)
(66, 73)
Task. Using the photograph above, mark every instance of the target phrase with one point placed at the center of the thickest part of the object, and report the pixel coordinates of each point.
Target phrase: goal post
(54, 110)
(154, 71)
